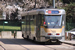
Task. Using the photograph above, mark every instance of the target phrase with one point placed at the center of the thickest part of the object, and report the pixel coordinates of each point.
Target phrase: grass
(10, 28)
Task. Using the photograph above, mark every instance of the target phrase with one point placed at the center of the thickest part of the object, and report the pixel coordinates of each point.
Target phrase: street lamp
(5, 22)
(54, 3)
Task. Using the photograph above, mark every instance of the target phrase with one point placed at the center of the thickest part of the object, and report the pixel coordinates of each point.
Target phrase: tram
(44, 25)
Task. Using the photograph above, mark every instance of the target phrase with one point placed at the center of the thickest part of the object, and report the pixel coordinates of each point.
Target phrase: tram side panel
(32, 27)
(24, 27)
(38, 27)
(25, 21)
(29, 28)
(35, 25)
(27, 25)
(63, 25)
(40, 32)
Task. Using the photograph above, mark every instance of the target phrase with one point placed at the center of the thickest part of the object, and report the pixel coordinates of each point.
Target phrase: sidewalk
(71, 42)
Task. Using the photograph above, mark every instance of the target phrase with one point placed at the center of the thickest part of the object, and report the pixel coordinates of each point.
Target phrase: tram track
(65, 46)
(25, 47)
(28, 44)
(69, 46)
(18, 44)
(2, 47)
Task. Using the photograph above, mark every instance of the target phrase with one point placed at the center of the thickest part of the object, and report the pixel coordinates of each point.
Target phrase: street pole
(45, 4)
(35, 4)
(3, 24)
(53, 3)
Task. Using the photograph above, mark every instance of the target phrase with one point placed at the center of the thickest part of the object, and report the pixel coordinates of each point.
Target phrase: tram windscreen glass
(53, 20)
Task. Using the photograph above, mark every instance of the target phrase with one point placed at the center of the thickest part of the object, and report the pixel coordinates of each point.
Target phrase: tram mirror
(44, 23)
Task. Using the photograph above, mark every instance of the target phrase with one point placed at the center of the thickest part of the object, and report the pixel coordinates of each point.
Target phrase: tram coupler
(48, 42)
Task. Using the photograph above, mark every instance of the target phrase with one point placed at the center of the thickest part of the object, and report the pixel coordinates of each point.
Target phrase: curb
(69, 43)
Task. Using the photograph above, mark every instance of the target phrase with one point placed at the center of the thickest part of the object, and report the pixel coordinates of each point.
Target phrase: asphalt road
(21, 44)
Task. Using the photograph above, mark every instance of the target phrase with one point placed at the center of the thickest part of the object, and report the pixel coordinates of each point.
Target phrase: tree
(70, 16)
(70, 13)
(68, 1)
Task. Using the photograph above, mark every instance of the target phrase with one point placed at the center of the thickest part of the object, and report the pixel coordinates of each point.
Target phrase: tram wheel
(34, 39)
(27, 37)
(22, 35)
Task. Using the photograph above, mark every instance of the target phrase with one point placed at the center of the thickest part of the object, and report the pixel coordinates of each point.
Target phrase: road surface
(21, 44)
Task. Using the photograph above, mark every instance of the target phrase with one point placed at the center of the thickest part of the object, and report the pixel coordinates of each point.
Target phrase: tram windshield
(53, 21)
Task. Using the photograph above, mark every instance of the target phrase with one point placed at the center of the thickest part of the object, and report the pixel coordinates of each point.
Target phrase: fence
(10, 26)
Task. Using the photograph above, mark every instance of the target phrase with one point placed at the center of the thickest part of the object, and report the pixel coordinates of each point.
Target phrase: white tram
(44, 25)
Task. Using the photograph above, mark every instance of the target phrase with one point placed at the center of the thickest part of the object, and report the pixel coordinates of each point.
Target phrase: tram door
(38, 27)
(27, 25)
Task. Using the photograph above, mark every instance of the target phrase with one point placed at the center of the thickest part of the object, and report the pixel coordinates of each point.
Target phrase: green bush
(70, 13)
(70, 26)
(70, 16)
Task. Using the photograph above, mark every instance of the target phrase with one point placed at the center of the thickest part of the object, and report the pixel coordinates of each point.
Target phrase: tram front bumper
(54, 37)
(47, 38)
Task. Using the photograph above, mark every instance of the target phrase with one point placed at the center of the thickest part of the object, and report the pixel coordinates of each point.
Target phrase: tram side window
(32, 19)
(38, 19)
(32, 23)
(63, 19)
(42, 20)
(27, 23)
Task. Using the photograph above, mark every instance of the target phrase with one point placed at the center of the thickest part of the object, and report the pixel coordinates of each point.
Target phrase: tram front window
(53, 21)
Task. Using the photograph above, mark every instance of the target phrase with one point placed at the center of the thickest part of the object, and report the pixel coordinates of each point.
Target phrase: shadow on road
(24, 42)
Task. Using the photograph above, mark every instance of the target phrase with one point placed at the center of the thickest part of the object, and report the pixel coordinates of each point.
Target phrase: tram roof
(42, 11)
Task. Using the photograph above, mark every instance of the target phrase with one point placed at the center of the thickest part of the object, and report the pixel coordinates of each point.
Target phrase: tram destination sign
(54, 12)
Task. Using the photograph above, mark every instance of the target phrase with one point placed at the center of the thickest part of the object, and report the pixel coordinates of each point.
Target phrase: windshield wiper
(55, 24)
